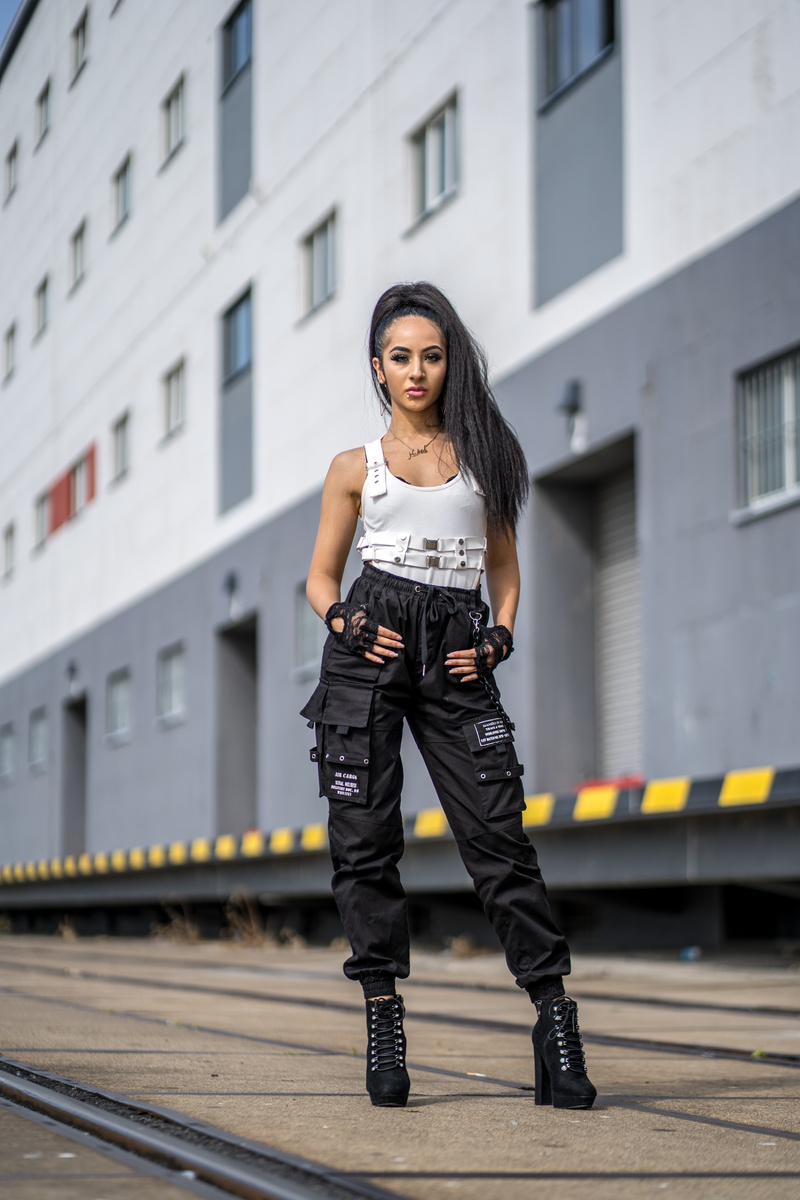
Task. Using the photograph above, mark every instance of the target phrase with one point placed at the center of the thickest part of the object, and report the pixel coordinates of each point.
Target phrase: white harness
(400, 548)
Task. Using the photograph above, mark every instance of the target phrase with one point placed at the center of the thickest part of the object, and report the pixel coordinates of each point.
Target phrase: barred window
(42, 112)
(436, 159)
(9, 550)
(37, 740)
(78, 45)
(320, 264)
(171, 673)
(172, 120)
(118, 704)
(309, 634)
(769, 431)
(121, 446)
(7, 753)
(174, 386)
(121, 194)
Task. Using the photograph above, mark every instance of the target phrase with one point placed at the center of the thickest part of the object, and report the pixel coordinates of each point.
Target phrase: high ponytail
(484, 443)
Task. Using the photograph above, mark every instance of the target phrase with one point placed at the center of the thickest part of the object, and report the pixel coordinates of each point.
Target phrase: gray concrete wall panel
(579, 180)
(235, 141)
(236, 442)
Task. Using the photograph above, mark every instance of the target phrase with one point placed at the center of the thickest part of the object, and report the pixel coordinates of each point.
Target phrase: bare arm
(337, 525)
(502, 584)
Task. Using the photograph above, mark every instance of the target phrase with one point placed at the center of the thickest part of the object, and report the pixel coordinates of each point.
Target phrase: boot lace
(386, 1034)
(567, 1035)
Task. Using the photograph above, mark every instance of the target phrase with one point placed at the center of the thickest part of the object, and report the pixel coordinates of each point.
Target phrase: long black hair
(483, 442)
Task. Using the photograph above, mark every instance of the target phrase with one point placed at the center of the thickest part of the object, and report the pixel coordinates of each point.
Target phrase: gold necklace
(412, 452)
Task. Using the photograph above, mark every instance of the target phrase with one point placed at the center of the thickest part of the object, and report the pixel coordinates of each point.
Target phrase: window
(172, 120)
(121, 194)
(77, 255)
(77, 488)
(118, 704)
(320, 264)
(10, 173)
(9, 538)
(237, 349)
(78, 46)
(171, 673)
(436, 159)
(309, 635)
(40, 516)
(173, 399)
(769, 429)
(9, 351)
(237, 43)
(42, 113)
(41, 308)
(6, 753)
(37, 740)
(120, 446)
(576, 34)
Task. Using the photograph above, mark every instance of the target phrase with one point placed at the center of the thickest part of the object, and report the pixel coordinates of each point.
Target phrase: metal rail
(648, 1045)
(237, 1166)
(751, 1010)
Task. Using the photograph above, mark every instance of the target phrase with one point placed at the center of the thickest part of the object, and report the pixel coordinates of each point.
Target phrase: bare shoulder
(347, 471)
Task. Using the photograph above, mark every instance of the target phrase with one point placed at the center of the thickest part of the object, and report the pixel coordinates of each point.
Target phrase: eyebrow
(435, 346)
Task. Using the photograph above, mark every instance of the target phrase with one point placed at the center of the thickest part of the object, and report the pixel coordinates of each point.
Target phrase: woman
(440, 496)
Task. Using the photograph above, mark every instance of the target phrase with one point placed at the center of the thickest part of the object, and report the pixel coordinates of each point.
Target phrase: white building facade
(201, 203)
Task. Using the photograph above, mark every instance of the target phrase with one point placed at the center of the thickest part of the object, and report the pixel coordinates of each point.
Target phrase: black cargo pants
(358, 710)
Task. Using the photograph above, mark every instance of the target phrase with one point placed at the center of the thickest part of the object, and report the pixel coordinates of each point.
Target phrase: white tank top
(433, 535)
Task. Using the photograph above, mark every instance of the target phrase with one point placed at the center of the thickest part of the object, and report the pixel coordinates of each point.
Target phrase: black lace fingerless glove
(495, 645)
(359, 633)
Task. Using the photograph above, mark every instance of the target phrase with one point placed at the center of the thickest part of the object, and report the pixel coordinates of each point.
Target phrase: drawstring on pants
(430, 610)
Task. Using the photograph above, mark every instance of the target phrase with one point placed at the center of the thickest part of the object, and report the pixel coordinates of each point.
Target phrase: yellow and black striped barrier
(594, 803)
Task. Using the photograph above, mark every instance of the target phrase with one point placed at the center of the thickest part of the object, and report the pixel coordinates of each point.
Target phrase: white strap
(449, 553)
(476, 487)
(376, 468)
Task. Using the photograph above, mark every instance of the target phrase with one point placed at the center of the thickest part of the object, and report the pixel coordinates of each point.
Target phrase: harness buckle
(431, 544)
(433, 559)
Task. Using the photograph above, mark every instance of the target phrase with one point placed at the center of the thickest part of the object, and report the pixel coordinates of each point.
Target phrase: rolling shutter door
(618, 635)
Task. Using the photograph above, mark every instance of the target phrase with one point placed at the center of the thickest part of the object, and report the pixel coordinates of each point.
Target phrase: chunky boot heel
(387, 1078)
(543, 1093)
(559, 1062)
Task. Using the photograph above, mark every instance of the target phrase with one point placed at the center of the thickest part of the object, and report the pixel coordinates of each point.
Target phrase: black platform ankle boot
(559, 1063)
(387, 1077)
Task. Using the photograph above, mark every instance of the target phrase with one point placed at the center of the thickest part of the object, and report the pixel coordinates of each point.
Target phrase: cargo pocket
(341, 714)
(497, 771)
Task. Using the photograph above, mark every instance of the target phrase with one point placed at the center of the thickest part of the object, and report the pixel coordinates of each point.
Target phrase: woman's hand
(495, 645)
(350, 624)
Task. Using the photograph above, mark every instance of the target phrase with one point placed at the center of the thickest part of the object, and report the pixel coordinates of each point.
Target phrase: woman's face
(413, 364)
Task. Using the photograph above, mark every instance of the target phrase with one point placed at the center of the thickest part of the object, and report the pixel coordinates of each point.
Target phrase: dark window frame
(551, 89)
(231, 369)
(231, 66)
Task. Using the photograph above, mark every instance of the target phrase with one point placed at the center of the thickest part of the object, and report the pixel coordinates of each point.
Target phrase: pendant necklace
(423, 450)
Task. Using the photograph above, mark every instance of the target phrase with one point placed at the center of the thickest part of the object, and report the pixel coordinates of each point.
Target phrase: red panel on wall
(58, 503)
(90, 472)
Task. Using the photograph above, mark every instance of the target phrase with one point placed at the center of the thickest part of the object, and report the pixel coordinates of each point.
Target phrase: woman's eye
(434, 358)
(399, 358)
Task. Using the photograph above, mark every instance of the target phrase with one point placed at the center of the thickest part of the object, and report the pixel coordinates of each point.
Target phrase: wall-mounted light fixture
(230, 585)
(71, 672)
(571, 405)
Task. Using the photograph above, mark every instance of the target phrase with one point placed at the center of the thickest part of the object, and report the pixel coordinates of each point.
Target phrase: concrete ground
(244, 1052)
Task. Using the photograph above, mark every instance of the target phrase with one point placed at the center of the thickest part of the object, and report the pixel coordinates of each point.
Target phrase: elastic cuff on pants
(377, 985)
(546, 988)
